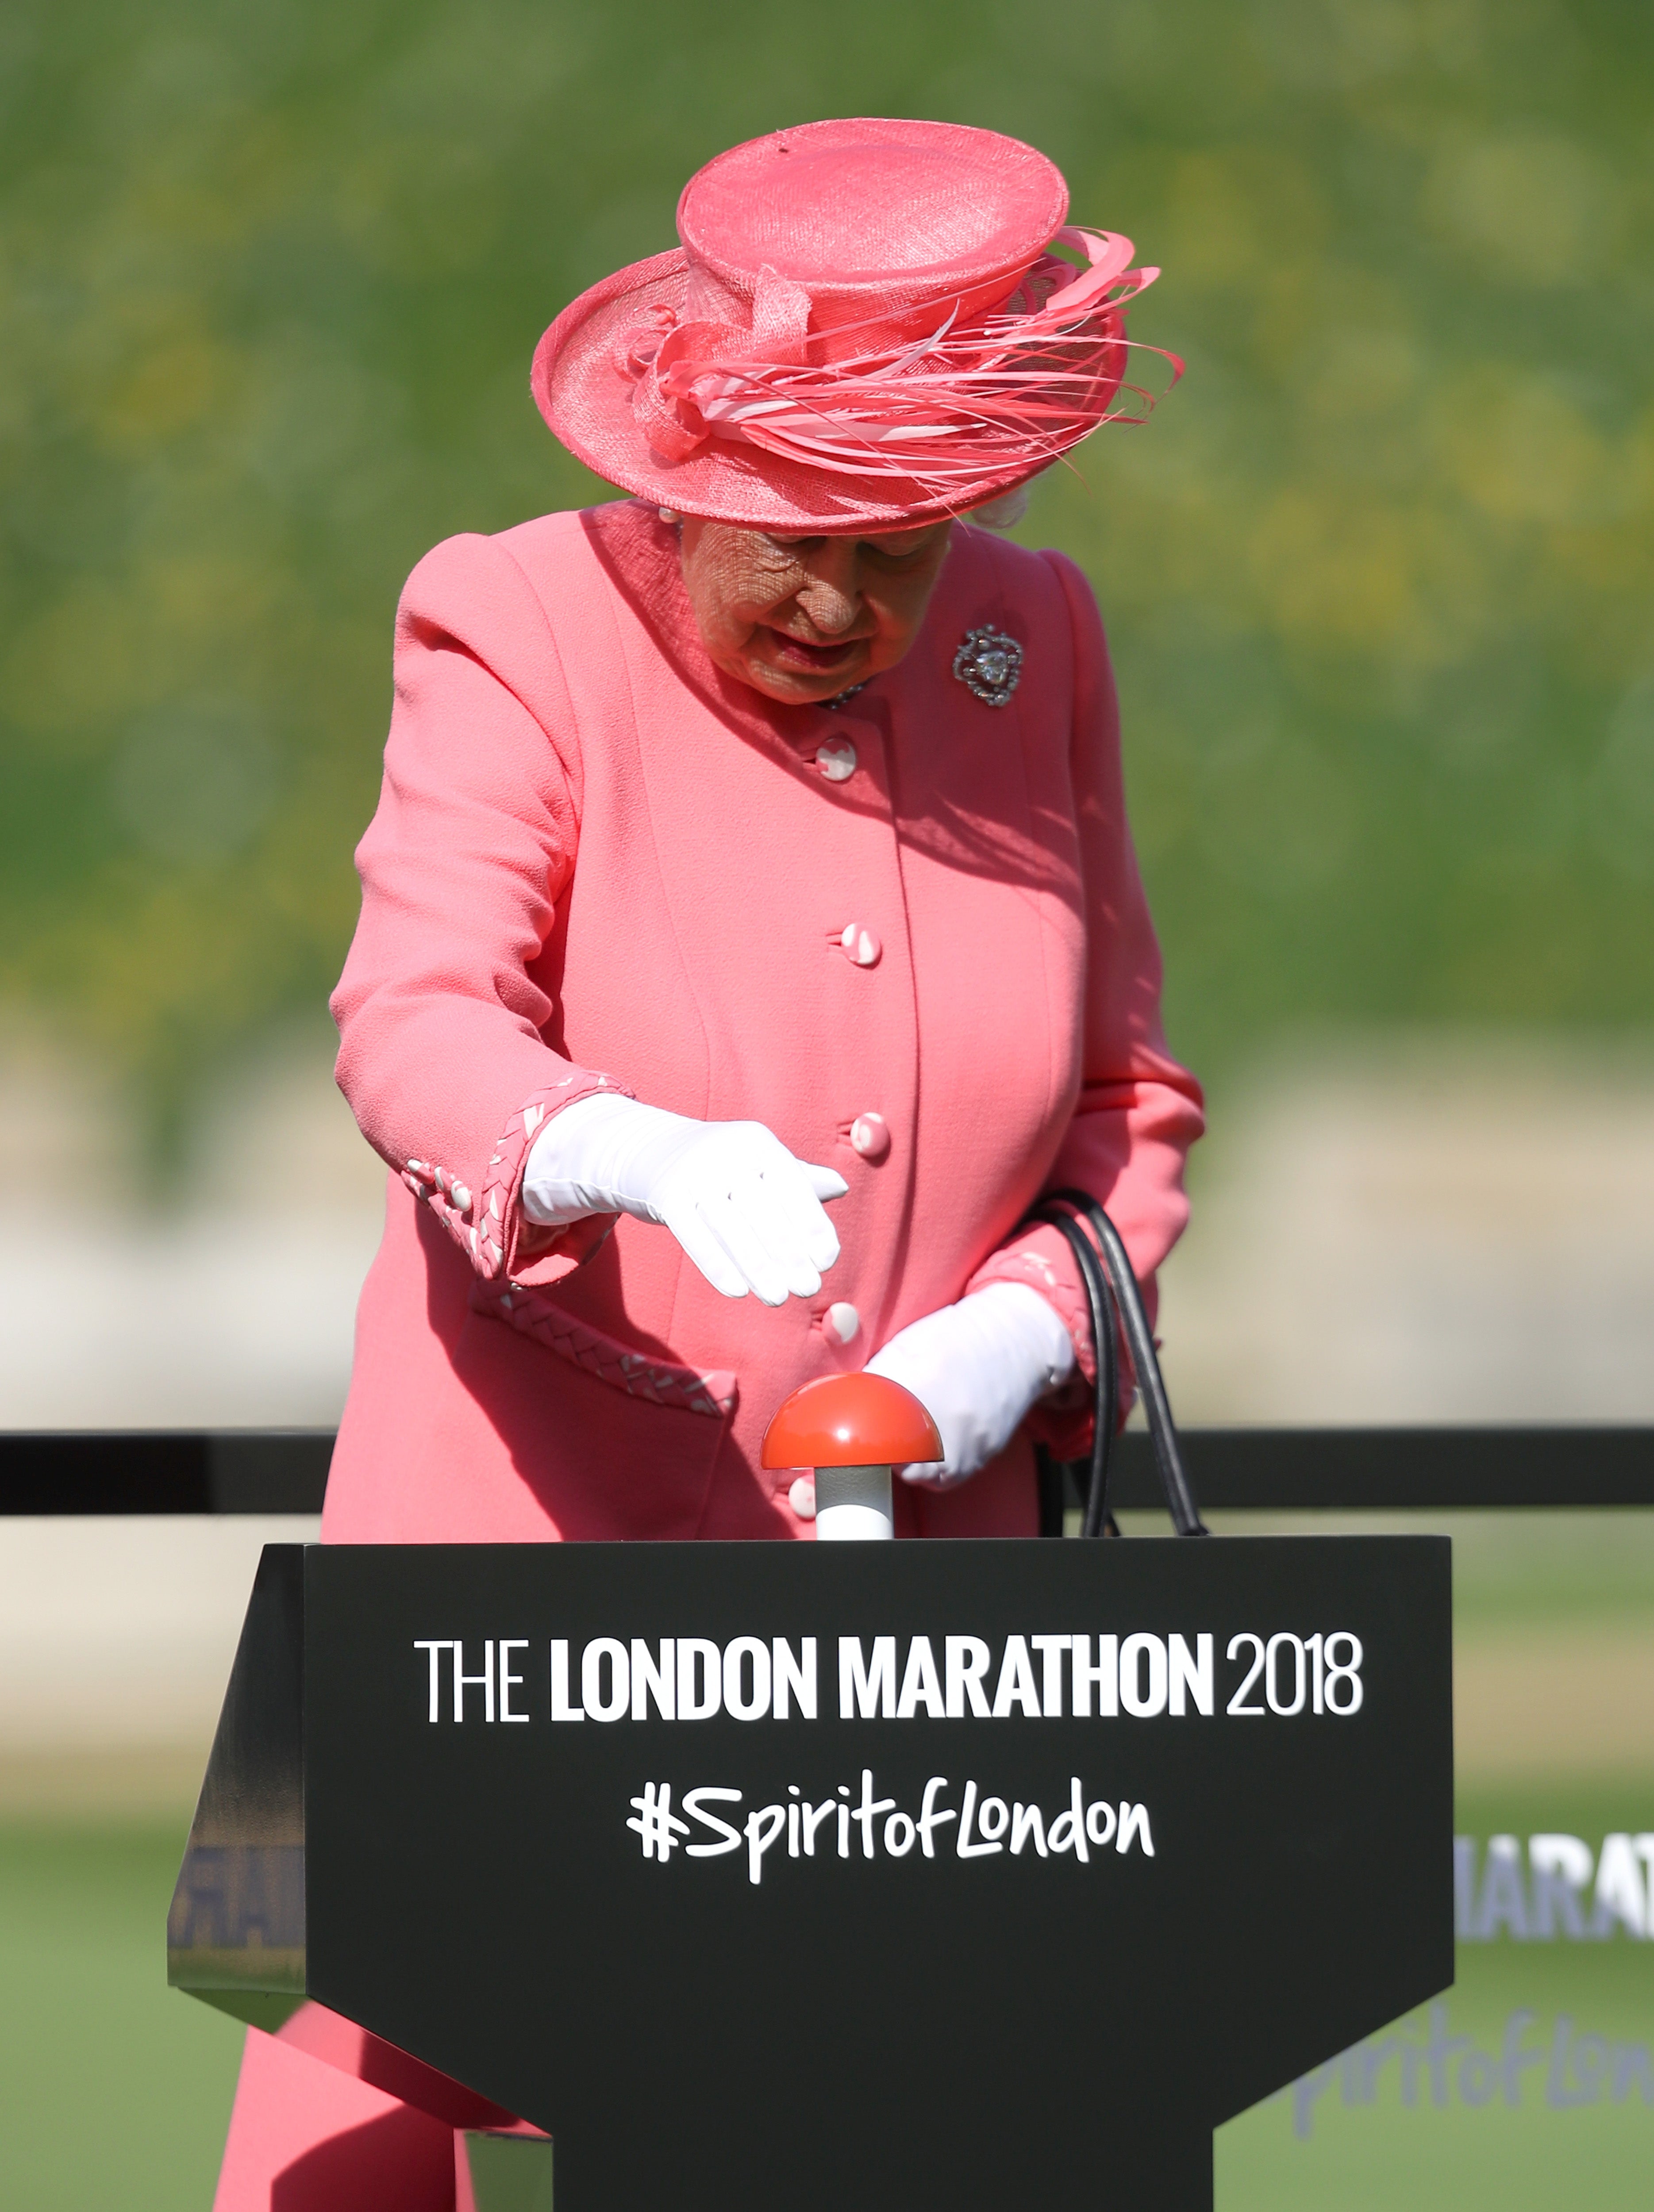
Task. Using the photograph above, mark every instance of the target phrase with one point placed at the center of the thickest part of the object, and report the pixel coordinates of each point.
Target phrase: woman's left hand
(978, 1367)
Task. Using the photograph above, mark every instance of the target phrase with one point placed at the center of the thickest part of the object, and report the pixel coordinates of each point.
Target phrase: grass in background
(1491, 2157)
(1378, 573)
(118, 2090)
(115, 2089)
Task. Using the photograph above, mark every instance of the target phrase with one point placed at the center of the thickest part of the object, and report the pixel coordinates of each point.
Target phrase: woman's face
(801, 619)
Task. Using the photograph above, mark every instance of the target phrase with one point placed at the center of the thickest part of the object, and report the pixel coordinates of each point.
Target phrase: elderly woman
(750, 929)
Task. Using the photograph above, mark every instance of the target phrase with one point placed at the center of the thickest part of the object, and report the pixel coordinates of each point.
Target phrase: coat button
(837, 759)
(802, 1498)
(863, 946)
(870, 1136)
(842, 1321)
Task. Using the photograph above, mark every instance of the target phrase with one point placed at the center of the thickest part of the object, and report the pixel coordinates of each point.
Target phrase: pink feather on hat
(865, 324)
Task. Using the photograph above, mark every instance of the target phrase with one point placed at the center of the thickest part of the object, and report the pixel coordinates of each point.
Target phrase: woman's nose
(829, 606)
(832, 596)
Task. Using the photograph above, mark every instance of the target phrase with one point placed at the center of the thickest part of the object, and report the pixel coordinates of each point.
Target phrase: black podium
(894, 1875)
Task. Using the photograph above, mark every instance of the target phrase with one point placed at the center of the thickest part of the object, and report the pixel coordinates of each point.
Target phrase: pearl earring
(670, 514)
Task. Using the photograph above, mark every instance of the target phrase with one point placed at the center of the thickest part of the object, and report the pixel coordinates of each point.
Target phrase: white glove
(744, 1210)
(978, 1367)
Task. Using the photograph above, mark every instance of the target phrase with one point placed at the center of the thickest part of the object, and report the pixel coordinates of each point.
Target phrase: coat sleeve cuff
(488, 1223)
(1041, 1258)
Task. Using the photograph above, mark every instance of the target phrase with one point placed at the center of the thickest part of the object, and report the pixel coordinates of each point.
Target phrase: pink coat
(598, 861)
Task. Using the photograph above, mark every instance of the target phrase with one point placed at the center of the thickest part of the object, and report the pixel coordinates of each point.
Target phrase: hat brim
(587, 401)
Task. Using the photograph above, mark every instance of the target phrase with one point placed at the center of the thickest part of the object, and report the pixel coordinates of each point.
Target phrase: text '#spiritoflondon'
(708, 1824)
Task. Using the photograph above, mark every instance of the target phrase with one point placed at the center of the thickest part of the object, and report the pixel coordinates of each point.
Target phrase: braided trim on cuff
(489, 1224)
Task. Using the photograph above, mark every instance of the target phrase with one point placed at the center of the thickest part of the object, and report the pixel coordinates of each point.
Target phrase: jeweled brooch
(990, 664)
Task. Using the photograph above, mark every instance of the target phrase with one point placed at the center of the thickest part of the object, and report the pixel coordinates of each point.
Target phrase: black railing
(1412, 1470)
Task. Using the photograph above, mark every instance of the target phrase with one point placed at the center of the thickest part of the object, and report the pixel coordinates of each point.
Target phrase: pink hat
(865, 324)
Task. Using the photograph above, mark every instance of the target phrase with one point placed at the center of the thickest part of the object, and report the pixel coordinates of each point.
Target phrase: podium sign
(906, 1875)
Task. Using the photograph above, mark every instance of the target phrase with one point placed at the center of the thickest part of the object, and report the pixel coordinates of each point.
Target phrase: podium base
(509, 2172)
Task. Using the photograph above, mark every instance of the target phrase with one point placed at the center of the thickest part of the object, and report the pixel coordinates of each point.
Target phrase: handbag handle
(1111, 1289)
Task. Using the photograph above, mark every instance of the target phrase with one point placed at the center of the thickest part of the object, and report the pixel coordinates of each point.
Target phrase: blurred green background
(1378, 578)
(1378, 573)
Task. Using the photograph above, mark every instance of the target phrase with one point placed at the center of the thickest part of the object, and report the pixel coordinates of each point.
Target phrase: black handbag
(1115, 1299)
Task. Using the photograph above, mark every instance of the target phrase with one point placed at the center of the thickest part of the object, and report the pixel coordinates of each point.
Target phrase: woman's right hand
(746, 1211)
